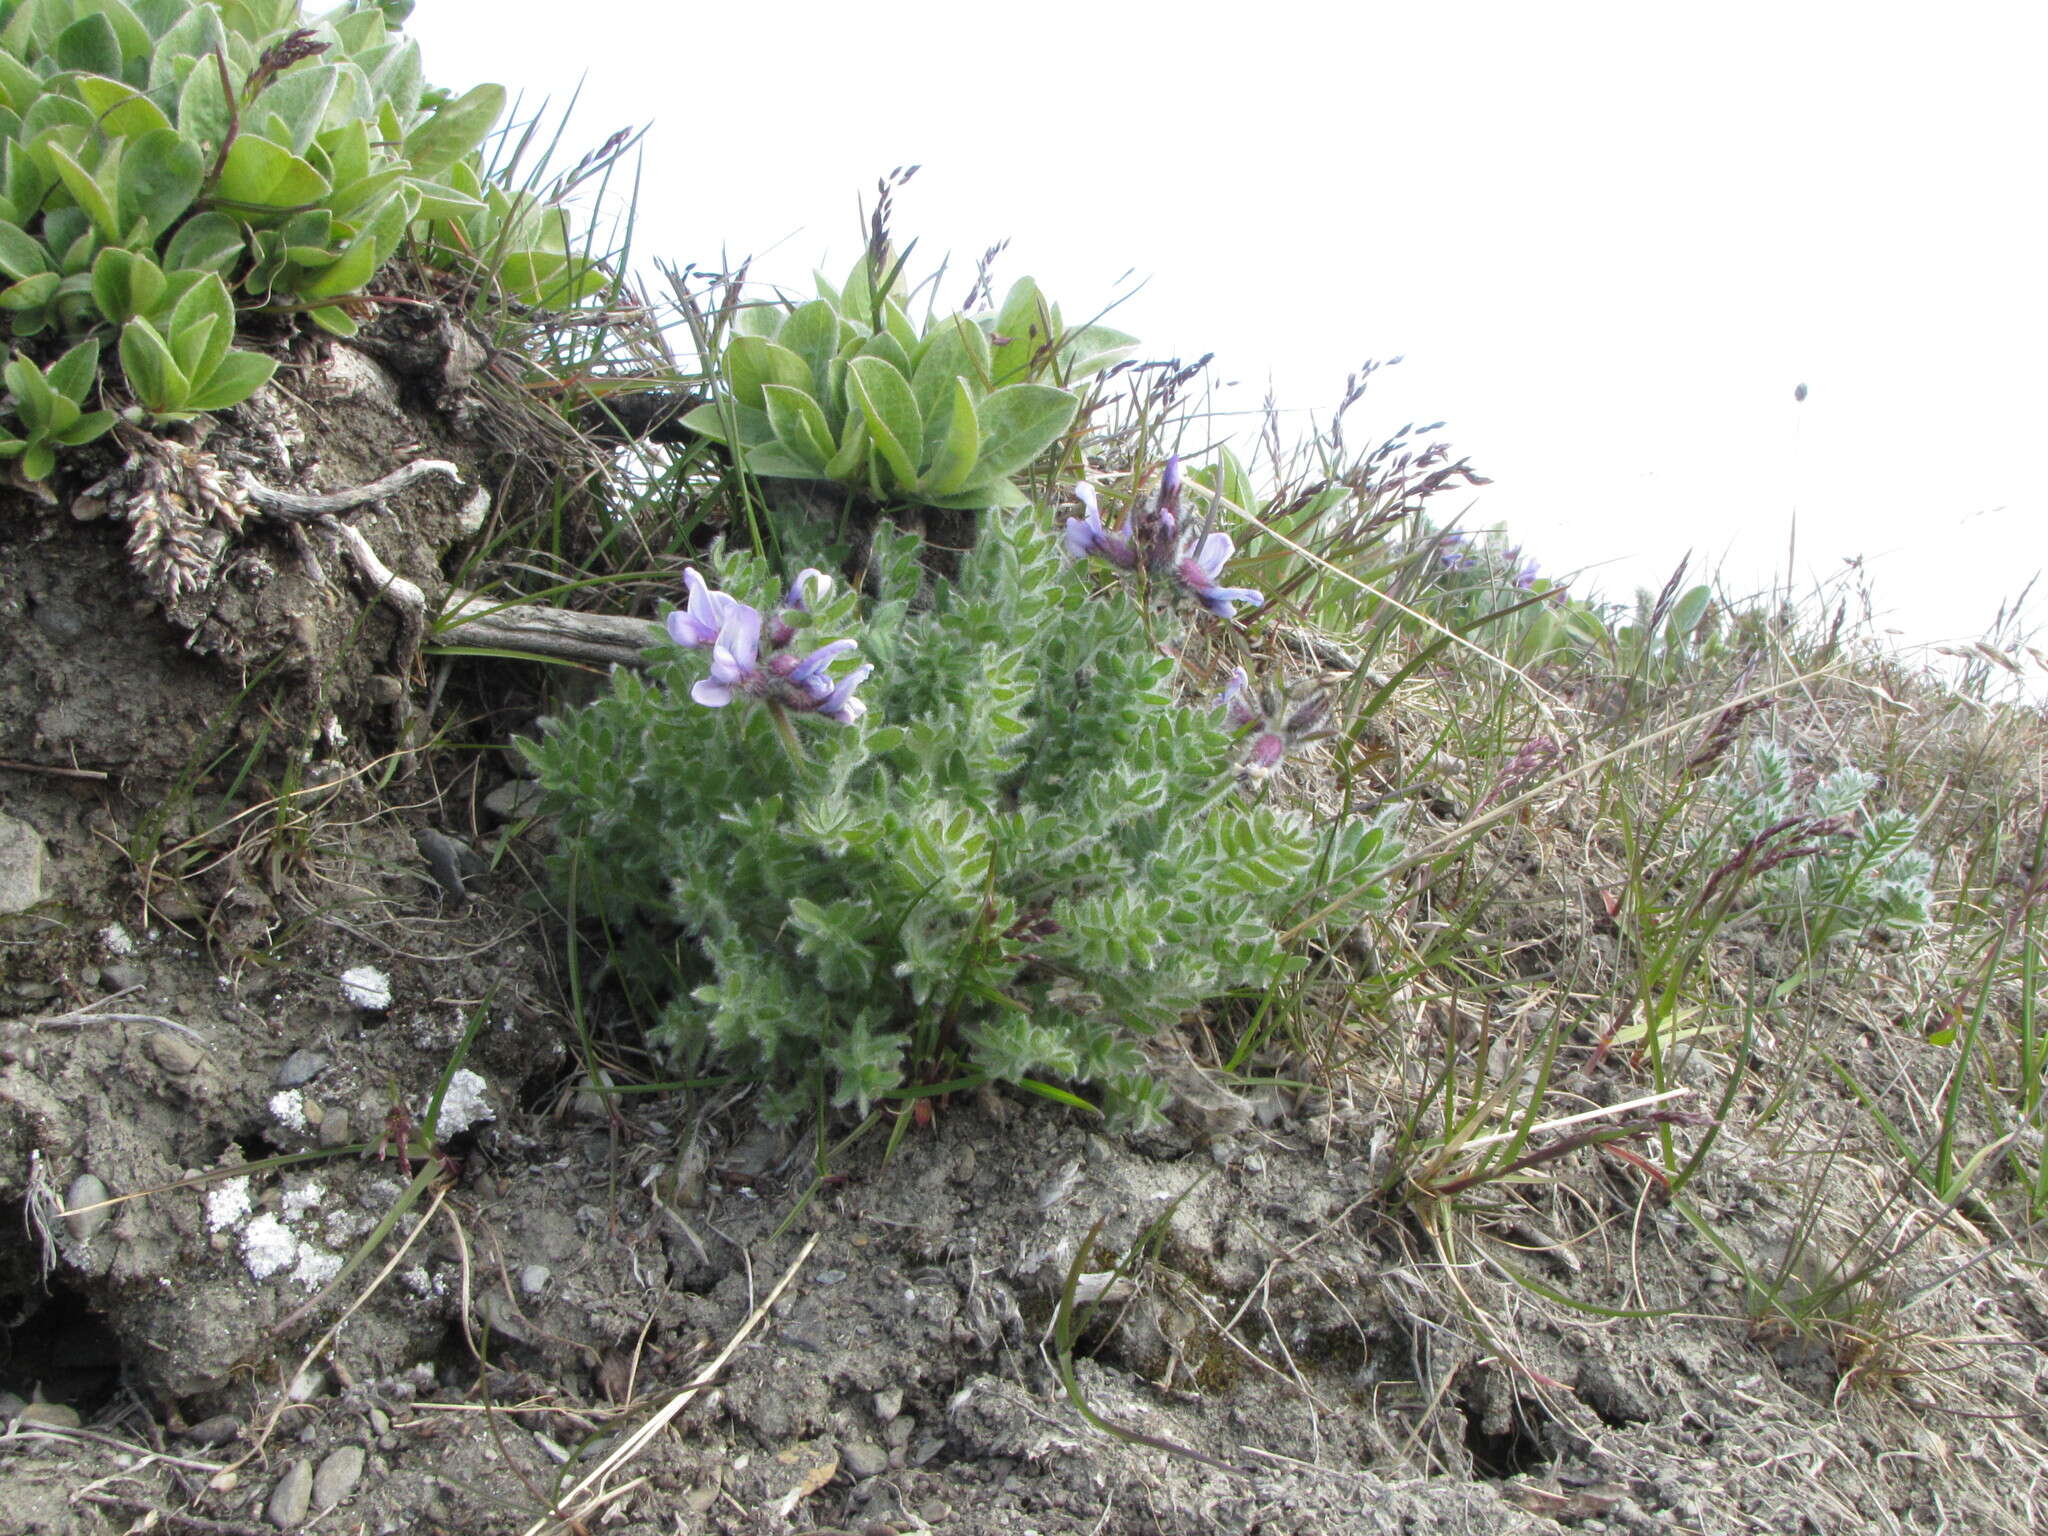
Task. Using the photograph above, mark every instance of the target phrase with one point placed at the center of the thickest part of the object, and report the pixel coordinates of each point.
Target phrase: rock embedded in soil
(292, 1498)
(50, 1416)
(122, 975)
(174, 1053)
(533, 1279)
(218, 1430)
(862, 1459)
(21, 865)
(86, 1210)
(338, 1475)
(300, 1067)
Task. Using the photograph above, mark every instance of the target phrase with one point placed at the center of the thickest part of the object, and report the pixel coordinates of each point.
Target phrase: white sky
(1609, 239)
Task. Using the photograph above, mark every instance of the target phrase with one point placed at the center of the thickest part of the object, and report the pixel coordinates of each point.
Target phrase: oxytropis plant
(1010, 855)
(1812, 860)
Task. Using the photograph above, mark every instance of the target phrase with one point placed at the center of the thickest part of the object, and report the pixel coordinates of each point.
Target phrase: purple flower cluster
(1277, 725)
(732, 632)
(1153, 540)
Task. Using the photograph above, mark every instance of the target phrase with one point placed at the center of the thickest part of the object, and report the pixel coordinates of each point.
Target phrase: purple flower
(797, 600)
(799, 684)
(1525, 570)
(735, 658)
(1276, 726)
(1452, 551)
(1086, 536)
(1199, 569)
(1236, 702)
(697, 626)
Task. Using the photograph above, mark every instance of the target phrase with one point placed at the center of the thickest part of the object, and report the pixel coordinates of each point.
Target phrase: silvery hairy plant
(1011, 855)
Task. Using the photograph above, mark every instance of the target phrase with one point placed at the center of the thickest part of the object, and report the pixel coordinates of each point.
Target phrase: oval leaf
(952, 456)
(891, 412)
(800, 426)
(1018, 423)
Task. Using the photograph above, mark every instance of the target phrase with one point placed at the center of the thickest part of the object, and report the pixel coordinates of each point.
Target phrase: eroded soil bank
(217, 954)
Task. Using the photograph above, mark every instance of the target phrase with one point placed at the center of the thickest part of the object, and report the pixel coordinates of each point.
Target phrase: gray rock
(862, 1458)
(86, 1190)
(533, 1279)
(888, 1403)
(300, 1067)
(174, 1053)
(292, 1498)
(120, 975)
(334, 1127)
(21, 865)
(514, 800)
(338, 1475)
(218, 1430)
(50, 1415)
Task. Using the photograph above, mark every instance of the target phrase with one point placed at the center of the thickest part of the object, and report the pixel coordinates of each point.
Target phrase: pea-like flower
(732, 631)
(1274, 723)
(1198, 569)
(1086, 536)
(1152, 540)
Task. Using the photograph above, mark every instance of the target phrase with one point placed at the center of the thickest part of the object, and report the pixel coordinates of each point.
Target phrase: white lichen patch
(288, 1109)
(466, 1103)
(226, 1204)
(367, 988)
(116, 940)
(268, 1245)
(276, 1242)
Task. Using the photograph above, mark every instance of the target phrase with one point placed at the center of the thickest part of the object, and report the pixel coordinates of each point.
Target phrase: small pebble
(380, 1421)
(307, 1385)
(174, 1053)
(218, 1430)
(300, 1067)
(338, 1475)
(334, 1127)
(863, 1459)
(533, 1279)
(292, 1498)
(514, 800)
(50, 1415)
(120, 975)
(888, 1403)
(86, 1190)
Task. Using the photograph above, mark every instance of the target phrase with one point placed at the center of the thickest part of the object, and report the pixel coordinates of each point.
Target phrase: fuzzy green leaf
(234, 379)
(455, 130)
(160, 175)
(121, 110)
(153, 374)
(262, 175)
(800, 426)
(890, 410)
(955, 444)
(207, 242)
(753, 362)
(1019, 422)
(125, 284)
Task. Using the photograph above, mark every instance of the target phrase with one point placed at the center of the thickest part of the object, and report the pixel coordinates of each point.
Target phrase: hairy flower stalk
(741, 666)
(1152, 540)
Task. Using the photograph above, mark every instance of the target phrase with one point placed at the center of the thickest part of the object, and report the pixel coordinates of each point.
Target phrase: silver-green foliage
(162, 160)
(1024, 857)
(1862, 871)
(848, 388)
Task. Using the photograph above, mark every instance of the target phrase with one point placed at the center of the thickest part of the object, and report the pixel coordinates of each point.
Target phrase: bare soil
(227, 827)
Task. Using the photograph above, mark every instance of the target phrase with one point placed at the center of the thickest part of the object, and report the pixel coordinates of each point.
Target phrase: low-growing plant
(163, 161)
(1009, 857)
(848, 388)
(1813, 861)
